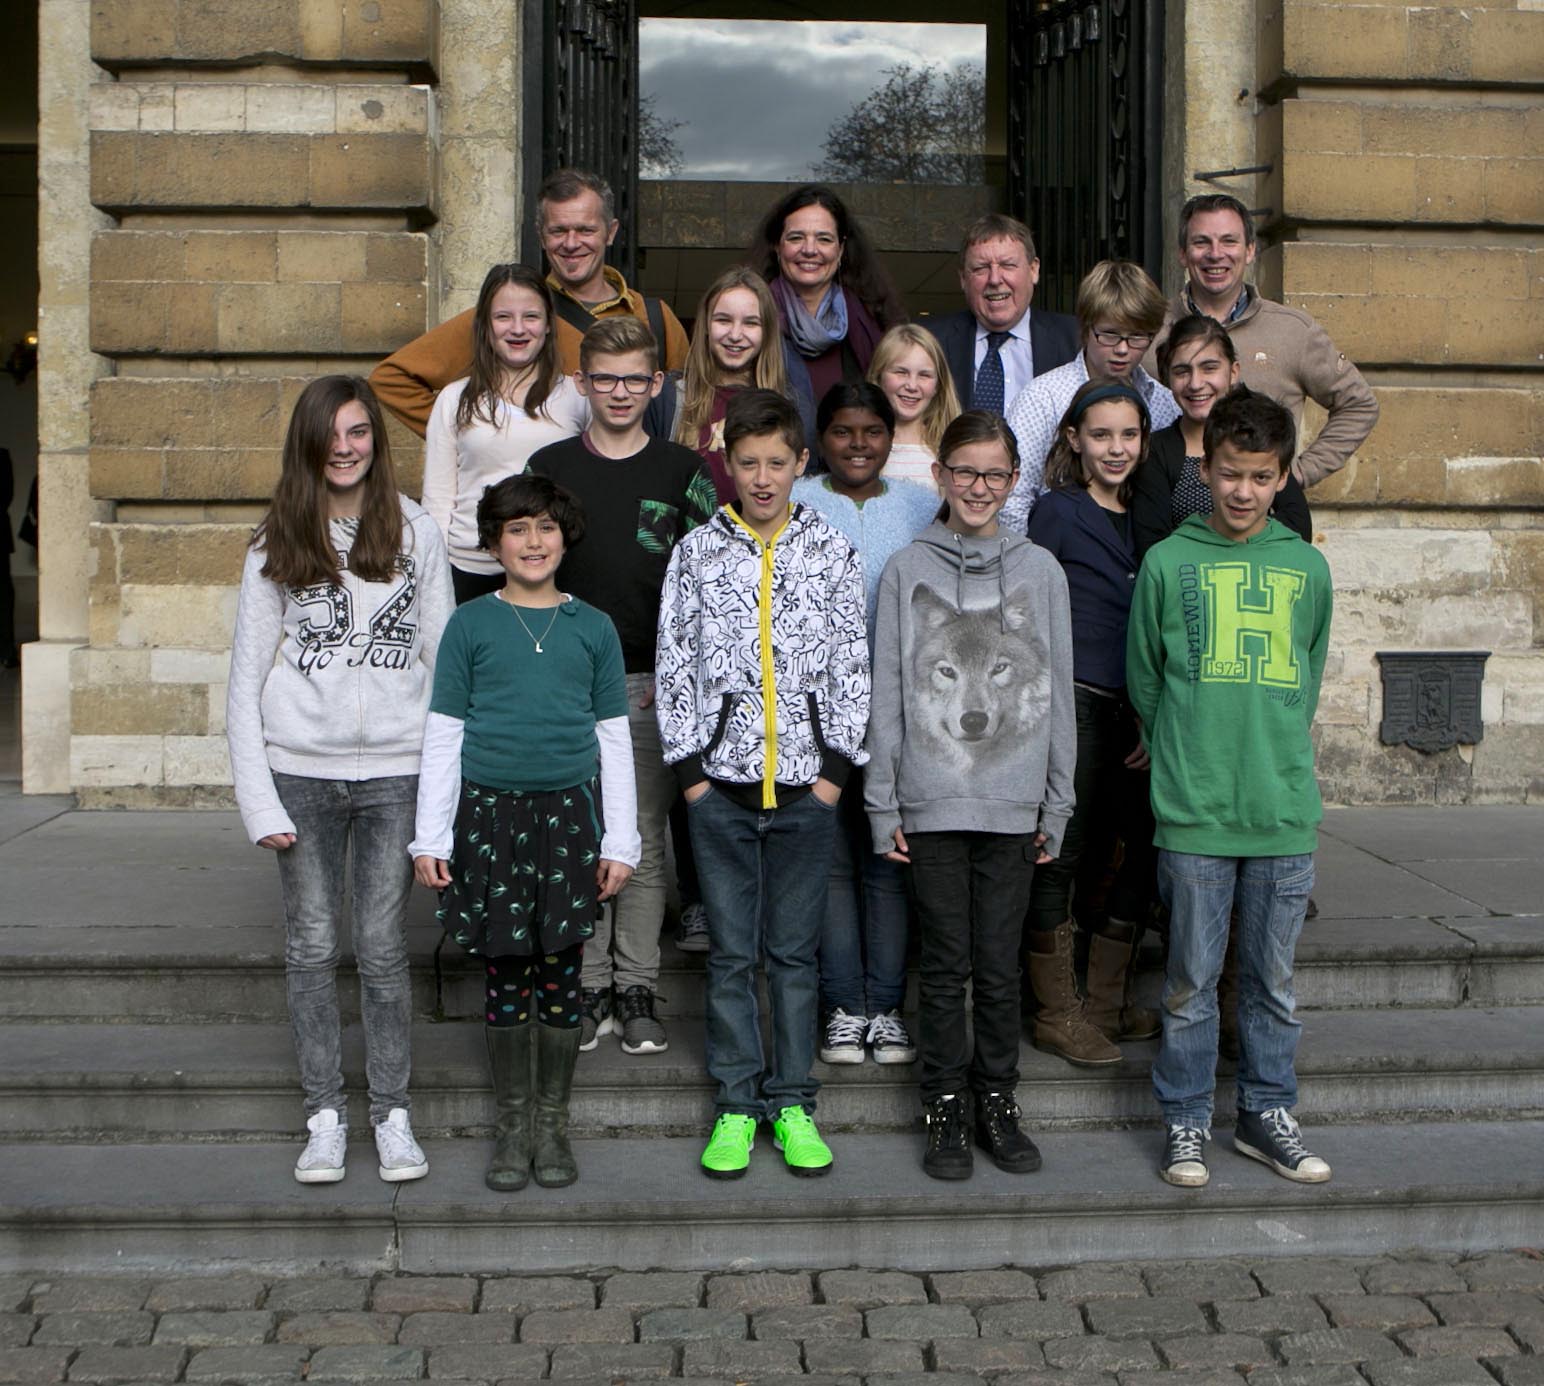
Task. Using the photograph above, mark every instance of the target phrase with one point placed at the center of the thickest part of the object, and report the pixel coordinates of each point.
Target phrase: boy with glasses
(1120, 310)
(640, 495)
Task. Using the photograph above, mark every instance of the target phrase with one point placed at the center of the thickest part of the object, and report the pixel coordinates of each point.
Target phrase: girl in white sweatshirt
(485, 427)
(344, 595)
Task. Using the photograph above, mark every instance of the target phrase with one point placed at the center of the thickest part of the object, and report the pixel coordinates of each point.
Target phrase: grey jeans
(625, 949)
(366, 824)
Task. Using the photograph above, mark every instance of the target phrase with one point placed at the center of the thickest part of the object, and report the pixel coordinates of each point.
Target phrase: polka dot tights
(540, 986)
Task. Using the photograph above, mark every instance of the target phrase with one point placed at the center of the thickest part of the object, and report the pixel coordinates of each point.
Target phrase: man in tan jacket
(576, 222)
(1283, 352)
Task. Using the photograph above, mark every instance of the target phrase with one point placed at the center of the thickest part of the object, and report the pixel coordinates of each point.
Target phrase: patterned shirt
(1035, 415)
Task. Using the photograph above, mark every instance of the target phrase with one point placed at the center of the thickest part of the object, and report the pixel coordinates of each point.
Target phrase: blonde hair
(1120, 292)
(701, 376)
(944, 407)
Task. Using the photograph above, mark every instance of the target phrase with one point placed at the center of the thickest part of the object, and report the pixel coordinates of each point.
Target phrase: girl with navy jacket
(1086, 522)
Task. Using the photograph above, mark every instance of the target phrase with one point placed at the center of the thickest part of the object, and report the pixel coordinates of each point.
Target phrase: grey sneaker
(641, 1033)
(401, 1157)
(692, 937)
(595, 1018)
(321, 1162)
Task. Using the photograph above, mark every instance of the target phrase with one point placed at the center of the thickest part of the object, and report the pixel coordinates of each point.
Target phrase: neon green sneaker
(728, 1154)
(794, 1133)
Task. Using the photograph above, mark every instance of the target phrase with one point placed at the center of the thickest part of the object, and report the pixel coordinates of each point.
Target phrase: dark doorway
(1074, 94)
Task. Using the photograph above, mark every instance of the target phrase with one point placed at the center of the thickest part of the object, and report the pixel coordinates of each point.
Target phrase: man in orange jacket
(576, 222)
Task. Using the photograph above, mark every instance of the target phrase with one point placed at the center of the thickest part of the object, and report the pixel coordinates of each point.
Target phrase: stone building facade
(237, 197)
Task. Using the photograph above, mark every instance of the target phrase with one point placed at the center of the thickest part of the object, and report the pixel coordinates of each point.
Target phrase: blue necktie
(988, 390)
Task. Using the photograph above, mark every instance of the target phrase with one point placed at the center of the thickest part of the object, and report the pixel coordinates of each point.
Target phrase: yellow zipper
(768, 672)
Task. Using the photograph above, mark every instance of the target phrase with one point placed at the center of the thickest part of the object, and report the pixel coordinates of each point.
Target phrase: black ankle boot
(948, 1146)
(998, 1133)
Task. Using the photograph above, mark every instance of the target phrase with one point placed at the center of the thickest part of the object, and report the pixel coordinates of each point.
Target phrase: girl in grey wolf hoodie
(971, 742)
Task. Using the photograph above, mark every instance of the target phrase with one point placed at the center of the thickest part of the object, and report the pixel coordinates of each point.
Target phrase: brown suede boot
(1227, 998)
(1111, 957)
(1060, 1026)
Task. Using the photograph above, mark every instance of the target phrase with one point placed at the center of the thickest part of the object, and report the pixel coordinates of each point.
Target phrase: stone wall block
(293, 109)
(1335, 187)
(113, 760)
(210, 107)
(127, 474)
(130, 32)
(109, 667)
(196, 759)
(137, 710)
(1340, 41)
(1322, 126)
(137, 255)
(222, 475)
(190, 318)
(1388, 621)
(381, 317)
(282, 318)
(1514, 191)
(130, 412)
(183, 666)
(208, 554)
(1504, 44)
(186, 170)
(188, 616)
(392, 171)
(231, 257)
(1441, 562)
(392, 259)
(326, 257)
(381, 110)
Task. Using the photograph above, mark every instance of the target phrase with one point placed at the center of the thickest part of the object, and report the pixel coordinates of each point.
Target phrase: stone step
(644, 1204)
(183, 972)
(239, 1082)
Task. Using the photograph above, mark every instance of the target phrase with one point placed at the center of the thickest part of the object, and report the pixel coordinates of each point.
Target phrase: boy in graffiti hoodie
(762, 695)
(1230, 623)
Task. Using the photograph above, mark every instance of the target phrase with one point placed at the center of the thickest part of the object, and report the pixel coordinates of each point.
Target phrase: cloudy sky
(756, 97)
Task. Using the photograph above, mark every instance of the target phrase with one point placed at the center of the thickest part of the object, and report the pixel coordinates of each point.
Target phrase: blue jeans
(863, 941)
(1271, 894)
(366, 824)
(763, 874)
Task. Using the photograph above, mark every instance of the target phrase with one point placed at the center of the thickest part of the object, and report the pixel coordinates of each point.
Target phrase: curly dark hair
(526, 496)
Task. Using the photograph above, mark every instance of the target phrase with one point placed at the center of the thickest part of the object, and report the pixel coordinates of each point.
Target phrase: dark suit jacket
(1053, 340)
(1101, 571)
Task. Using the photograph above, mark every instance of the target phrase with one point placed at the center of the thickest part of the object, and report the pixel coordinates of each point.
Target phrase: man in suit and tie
(998, 344)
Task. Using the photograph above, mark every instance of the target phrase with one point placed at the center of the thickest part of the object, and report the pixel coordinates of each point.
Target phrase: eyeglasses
(606, 384)
(1137, 341)
(966, 477)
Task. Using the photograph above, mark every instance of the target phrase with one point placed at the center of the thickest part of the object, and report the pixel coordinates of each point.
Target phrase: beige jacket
(1285, 354)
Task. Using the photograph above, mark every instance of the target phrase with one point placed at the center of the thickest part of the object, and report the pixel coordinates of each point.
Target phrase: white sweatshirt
(334, 682)
(459, 467)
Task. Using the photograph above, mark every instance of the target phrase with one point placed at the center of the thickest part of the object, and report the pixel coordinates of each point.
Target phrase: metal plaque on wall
(1431, 699)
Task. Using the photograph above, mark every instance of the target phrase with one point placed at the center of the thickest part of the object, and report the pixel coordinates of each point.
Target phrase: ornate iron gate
(580, 76)
(1084, 135)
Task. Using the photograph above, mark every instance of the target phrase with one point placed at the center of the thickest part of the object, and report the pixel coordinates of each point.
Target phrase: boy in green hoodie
(1230, 622)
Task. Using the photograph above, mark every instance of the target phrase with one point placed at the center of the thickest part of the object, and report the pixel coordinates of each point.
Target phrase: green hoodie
(1224, 654)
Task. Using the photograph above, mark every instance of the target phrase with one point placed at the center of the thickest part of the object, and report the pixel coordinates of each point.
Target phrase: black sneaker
(1275, 1139)
(641, 1033)
(1184, 1157)
(595, 1017)
(692, 937)
(999, 1134)
(948, 1146)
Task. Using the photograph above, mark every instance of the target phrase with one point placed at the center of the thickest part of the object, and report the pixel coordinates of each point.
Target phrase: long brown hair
(944, 407)
(297, 549)
(1063, 466)
(702, 375)
(480, 398)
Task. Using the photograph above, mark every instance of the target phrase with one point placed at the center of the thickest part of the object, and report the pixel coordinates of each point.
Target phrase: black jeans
(971, 891)
(1112, 801)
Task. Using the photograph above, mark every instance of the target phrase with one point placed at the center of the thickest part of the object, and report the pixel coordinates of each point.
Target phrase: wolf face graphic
(978, 678)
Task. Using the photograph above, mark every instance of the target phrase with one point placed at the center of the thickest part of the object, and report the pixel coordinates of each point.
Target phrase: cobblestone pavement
(1404, 1320)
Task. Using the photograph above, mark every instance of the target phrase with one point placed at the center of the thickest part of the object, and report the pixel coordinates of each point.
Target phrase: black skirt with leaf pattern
(522, 870)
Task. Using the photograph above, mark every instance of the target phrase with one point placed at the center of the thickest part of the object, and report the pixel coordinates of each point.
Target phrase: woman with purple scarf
(835, 299)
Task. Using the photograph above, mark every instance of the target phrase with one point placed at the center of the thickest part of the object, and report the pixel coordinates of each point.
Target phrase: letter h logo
(1249, 630)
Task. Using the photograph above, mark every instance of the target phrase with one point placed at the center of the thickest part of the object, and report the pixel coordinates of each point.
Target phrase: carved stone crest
(1431, 699)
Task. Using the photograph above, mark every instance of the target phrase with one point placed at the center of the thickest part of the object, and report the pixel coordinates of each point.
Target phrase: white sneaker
(321, 1162)
(892, 1044)
(401, 1156)
(843, 1043)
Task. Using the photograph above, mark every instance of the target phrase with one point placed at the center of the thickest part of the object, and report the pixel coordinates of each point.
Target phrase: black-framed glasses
(606, 383)
(966, 477)
(1137, 341)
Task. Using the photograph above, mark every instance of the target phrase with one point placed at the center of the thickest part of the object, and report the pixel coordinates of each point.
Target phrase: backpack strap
(573, 313)
(655, 311)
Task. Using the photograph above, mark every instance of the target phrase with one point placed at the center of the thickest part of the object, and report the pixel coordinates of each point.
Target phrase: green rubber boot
(511, 1055)
(556, 1052)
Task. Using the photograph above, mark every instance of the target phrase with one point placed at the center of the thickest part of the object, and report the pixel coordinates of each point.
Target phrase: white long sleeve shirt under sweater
(459, 466)
(333, 682)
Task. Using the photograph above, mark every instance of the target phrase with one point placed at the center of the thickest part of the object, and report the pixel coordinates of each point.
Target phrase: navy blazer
(1053, 341)
(1101, 572)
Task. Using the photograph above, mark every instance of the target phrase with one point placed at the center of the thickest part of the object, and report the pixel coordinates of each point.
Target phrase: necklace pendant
(538, 647)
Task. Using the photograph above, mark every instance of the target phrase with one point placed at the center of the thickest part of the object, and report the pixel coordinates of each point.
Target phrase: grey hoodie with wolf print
(973, 727)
